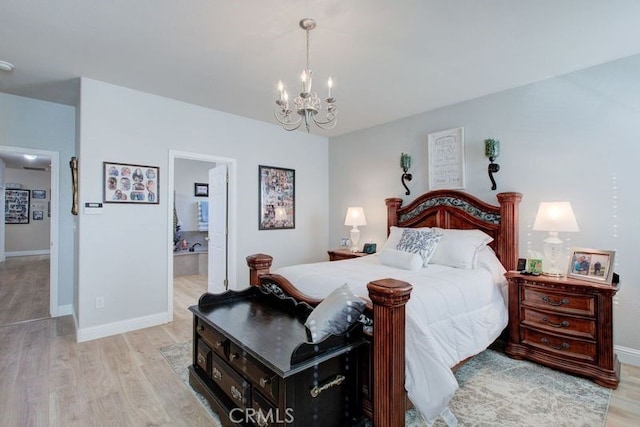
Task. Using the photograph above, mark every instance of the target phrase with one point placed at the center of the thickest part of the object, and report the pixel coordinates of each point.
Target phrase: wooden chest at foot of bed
(251, 362)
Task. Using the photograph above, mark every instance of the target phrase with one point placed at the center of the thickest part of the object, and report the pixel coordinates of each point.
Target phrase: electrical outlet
(99, 302)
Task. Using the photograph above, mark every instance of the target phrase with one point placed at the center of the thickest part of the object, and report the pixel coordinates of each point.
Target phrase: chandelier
(307, 104)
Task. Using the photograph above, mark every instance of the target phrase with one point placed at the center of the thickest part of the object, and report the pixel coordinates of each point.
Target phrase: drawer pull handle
(217, 374)
(233, 356)
(236, 393)
(563, 301)
(264, 382)
(200, 328)
(201, 359)
(261, 420)
(563, 346)
(219, 343)
(563, 324)
(315, 391)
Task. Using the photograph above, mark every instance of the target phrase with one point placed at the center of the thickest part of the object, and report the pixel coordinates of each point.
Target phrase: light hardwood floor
(24, 289)
(47, 379)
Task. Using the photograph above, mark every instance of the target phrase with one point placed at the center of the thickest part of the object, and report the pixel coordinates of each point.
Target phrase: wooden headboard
(457, 209)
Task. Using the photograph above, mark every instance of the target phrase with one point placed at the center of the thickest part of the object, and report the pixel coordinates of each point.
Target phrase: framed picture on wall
(200, 189)
(277, 198)
(38, 194)
(446, 159)
(16, 206)
(128, 183)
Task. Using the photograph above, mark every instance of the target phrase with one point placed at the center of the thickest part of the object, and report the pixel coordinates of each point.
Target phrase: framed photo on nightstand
(594, 265)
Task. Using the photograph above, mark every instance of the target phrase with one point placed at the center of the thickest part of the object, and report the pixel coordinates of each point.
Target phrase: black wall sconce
(405, 164)
(492, 151)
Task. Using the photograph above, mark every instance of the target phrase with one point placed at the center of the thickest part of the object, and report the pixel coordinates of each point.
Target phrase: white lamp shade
(355, 217)
(555, 216)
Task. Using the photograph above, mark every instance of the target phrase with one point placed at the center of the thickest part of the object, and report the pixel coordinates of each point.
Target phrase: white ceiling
(389, 59)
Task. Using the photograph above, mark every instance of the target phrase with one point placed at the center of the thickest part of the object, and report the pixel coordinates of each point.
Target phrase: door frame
(54, 221)
(231, 212)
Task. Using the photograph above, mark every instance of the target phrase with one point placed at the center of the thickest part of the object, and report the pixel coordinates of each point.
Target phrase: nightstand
(563, 323)
(339, 254)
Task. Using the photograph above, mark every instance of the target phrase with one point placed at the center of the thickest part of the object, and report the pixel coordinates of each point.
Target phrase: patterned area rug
(494, 391)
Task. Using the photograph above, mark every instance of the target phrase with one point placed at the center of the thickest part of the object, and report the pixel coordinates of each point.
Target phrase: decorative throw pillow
(334, 315)
(458, 248)
(422, 242)
(400, 259)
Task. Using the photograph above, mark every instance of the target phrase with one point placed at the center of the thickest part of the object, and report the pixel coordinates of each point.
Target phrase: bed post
(508, 244)
(259, 264)
(389, 298)
(392, 211)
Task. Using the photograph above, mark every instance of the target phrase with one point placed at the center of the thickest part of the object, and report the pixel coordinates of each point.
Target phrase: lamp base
(552, 251)
(547, 273)
(354, 234)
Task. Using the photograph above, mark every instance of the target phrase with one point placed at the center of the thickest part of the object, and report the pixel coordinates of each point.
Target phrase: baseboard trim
(629, 356)
(115, 328)
(65, 310)
(28, 253)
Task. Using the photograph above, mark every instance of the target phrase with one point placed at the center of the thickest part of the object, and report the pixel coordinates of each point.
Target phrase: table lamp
(355, 217)
(554, 217)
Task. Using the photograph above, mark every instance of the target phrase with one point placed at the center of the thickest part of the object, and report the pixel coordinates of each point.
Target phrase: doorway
(189, 204)
(30, 266)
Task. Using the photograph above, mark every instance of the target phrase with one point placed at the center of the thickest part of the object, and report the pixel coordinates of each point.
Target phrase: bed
(423, 322)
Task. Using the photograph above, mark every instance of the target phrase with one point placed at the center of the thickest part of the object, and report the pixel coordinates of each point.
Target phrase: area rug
(494, 391)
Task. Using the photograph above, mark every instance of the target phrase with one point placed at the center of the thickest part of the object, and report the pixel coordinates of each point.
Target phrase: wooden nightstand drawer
(561, 302)
(213, 338)
(233, 385)
(263, 378)
(561, 324)
(561, 345)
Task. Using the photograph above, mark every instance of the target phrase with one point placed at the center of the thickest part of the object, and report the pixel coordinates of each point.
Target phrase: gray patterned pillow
(334, 315)
(422, 242)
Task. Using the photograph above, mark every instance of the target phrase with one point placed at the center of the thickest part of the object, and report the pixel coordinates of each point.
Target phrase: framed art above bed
(446, 159)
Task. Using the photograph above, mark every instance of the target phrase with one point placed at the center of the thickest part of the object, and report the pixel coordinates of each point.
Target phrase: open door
(218, 243)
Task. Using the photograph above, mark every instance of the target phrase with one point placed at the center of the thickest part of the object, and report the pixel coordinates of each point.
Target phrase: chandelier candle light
(307, 104)
(355, 217)
(554, 217)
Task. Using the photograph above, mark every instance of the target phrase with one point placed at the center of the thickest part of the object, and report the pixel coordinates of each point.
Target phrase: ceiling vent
(32, 168)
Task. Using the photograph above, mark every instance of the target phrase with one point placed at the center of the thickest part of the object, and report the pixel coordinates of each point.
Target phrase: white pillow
(488, 260)
(458, 248)
(422, 242)
(400, 259)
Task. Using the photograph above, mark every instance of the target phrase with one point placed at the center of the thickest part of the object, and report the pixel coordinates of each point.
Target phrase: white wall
(187, 173)
(573, 137)
(122, 254)
(30, 123)
(34, 237)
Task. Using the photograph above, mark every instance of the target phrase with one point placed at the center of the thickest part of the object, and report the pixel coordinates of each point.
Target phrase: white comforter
(452, 314)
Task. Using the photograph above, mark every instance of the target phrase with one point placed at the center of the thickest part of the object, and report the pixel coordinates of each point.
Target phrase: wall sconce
(405, 164)
(492, 151)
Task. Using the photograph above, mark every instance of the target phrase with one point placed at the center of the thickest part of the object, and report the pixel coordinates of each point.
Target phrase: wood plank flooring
(47, 379)
(24, 289)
